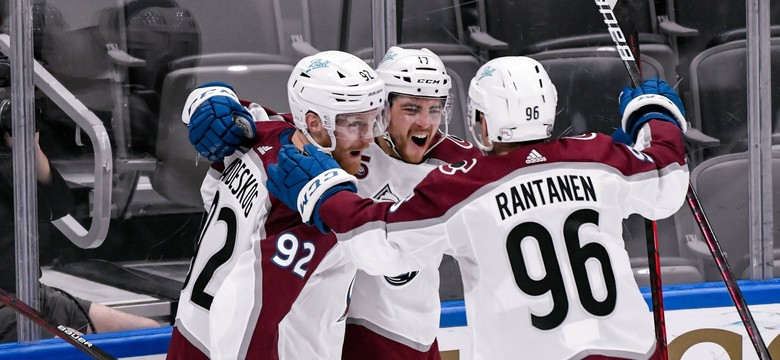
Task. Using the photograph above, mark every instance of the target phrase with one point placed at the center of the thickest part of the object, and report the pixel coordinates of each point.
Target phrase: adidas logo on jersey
(264, 149)
(535, 157)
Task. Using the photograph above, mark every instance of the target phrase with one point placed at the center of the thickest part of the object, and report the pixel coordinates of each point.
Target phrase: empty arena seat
(524, 24)
(550, 25)
(588, 81)
(158, 36)
(181, 170)
(116, 66)
(726, 206)
(461, 69)
(695, 24)
(436, 24)
(718, 83)
(675, 268)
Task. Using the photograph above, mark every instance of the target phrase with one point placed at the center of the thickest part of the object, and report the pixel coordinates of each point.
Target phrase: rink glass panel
(133, 63)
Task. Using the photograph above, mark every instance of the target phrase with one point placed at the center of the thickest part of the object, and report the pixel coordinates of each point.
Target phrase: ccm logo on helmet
(428, 81)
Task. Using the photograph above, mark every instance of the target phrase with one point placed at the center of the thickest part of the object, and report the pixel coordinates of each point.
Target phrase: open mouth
(420, 140)
(355, 153)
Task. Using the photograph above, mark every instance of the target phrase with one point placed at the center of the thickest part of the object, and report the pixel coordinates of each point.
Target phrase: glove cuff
(648, 100)
(200, 95)
(310, 194)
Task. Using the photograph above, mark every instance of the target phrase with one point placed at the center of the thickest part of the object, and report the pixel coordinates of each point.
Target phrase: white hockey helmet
(414, 72)
(332, 83)
(517, 98)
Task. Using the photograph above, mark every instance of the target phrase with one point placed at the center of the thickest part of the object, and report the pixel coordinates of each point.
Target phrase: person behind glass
(536, 225)
(54, 201)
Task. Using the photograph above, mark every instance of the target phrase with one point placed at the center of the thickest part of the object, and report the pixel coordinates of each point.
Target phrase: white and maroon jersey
(287, 298)
(240, 213)
(537, 234)
(238, 206)
(403, 307)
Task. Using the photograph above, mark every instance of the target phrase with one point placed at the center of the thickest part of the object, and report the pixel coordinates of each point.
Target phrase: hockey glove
(654, 99)
(302, 182)
(218, 123)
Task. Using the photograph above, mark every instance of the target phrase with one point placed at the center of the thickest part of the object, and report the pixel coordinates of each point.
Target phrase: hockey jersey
(262, 284)
(537, 234)
(239, 213)
(404, 307)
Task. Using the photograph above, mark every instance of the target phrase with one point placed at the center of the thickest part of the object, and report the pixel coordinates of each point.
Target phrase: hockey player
(536, 226)
(281, 311)
(397, 317)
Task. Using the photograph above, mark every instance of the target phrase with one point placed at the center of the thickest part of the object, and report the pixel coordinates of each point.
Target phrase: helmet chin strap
(327, 150)
(386, 136)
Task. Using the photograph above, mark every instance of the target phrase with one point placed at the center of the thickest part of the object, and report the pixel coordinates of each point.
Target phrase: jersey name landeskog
(238, 177)
(545, 191)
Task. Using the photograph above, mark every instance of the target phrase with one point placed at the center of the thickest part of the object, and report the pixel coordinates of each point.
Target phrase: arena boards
(701, 324)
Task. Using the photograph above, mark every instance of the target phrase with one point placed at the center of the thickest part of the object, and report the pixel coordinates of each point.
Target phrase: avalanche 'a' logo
(402, 279)
(463, 165)
(386, 194)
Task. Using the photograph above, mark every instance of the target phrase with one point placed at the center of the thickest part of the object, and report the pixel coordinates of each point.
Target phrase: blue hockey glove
(654, 99)
(218, 123)
(302, 182)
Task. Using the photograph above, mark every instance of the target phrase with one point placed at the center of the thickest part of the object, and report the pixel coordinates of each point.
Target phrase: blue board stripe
(453, 314)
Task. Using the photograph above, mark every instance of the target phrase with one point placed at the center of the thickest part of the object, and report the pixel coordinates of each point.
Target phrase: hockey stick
(625, 36)
(58, 330)
(727, 275)
(625, 47)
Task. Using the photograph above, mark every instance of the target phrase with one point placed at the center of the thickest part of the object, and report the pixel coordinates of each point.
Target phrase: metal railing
(93, 127)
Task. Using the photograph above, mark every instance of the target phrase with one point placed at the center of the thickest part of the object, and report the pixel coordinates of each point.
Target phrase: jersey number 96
(553, 281)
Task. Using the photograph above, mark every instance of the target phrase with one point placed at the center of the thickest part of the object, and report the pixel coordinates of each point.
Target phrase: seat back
(431, 21)
(711, 19)
(254, 26)
(719, 94)
(675, 268)
(434, 24)
(722, 185)
(180, 170)
(461, 69)
(523, 24)
(588, 82)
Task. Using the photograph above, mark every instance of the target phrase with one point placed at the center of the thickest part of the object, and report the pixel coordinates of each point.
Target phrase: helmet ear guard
(332, 83)
(517, 98)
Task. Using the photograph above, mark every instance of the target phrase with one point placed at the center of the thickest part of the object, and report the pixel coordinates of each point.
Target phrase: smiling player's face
(413, 124)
